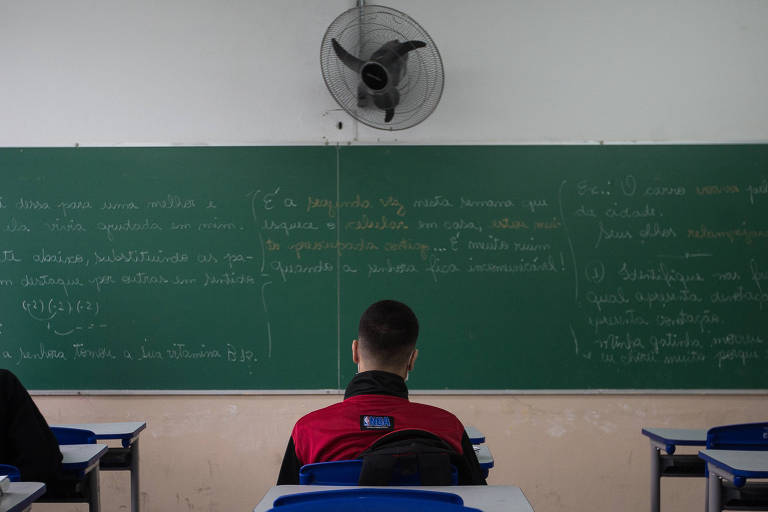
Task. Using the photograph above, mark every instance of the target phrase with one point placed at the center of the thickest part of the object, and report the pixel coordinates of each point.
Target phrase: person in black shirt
(26, 441)
(385, 353)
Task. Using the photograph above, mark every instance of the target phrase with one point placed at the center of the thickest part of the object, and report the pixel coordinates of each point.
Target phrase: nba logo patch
(370, 422)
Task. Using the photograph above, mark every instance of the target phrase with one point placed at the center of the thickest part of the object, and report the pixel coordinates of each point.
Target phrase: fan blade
(387, 102)
(404, 48)
(347, 58)
(393, 51)
(363, 98)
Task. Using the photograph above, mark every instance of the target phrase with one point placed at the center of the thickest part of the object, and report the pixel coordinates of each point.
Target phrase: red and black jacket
(375, 404)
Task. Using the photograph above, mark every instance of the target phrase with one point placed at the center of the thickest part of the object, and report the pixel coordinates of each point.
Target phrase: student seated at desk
(26, 441)
(376, 402)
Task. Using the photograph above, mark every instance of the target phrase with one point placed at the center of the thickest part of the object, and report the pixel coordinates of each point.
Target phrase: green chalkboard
(530, 267)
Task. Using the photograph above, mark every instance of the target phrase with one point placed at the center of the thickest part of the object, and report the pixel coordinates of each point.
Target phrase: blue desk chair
(66, 435)
(744, 436)
(371, 500)
(347, 472)
(12, 472)
(340, 472)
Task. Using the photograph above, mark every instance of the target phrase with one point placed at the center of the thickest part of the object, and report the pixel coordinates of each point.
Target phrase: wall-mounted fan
(382, 67)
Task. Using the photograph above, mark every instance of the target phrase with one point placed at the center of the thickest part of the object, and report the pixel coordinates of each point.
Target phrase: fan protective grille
(362, 31)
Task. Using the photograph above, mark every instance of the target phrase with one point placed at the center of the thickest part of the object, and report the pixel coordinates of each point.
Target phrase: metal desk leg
(706, 500)
(713, 492)
(94, 504)
(655, 480)
(135, 476)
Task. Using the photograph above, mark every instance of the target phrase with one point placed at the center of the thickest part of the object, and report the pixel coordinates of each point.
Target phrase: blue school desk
(671, 464)
(734, 467)
(82, 461)
(484, 457)
(124, 458)
(20, 495)
(489, 498)
(482, 451)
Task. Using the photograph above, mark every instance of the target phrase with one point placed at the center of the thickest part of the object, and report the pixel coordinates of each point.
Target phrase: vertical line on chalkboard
(266, 313)
(263, 274)
(568, 236)
(338, 271)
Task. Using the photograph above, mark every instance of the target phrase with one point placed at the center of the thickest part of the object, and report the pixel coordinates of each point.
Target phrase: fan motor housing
(374, 76)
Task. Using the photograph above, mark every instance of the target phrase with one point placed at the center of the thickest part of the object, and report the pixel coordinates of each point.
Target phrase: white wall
(189, 72)
(103, 72)
(567, 454)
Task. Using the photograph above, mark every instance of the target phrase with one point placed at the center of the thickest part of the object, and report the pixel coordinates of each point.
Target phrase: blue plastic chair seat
(347, 472)
(745, 436)
(67, 435)
(12, 472)
(371, 500)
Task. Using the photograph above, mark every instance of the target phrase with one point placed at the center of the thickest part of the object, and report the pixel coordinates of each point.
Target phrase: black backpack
(405, 454)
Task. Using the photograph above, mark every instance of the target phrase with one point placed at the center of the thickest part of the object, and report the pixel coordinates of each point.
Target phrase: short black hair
(387, 331)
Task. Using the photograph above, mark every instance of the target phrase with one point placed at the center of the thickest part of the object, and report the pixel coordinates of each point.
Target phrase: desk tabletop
(475, 436)
(20, 495)
(489, 498)
(111, 430)
(484, 456)
(747, 464)
(81, 456)
(678, 436)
